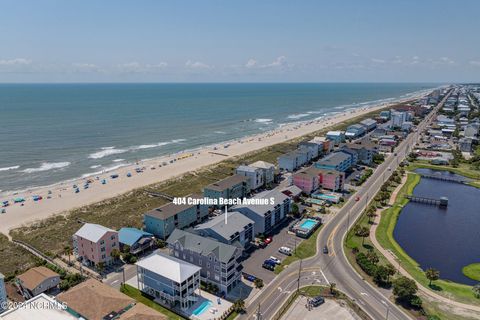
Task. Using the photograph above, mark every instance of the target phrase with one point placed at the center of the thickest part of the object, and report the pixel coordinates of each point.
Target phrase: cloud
(279, 63)
(137, 67)
(15, 62)
(446, 60)
(85, 67)
(196, 65)
(474, 63)
(251, 63)
(375, 60)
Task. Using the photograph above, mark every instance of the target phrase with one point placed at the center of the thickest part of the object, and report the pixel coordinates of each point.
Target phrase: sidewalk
(392, 259)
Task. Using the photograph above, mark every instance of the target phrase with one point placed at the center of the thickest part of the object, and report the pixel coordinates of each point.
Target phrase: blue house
(335, 161)
(137, 240)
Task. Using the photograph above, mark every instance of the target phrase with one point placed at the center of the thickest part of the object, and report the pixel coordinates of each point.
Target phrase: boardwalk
(443, 178)
(442, 202)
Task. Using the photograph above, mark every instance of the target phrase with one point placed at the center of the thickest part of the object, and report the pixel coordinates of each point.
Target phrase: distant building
(385, 115)
(313, 147)
(255, 175)
(236, 186)
(355, 131)
(238, 229)
(364, 150)
(36, 281)
(307, 180)
(335, 161)
(324, 145)
(163, 220)
(169, 279)
(336, 136)
(292, 160)
(94, 243)
(137, 240)
(471, 130)
(369, 124)
(218, 261)
(268, 170)
(352, 153)
(267, 216)
(332, 180)
(465, 144)
(398, 118)
(3, 293)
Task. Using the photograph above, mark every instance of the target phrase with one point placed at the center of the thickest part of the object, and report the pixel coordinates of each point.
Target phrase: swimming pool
(308, 224)
(202, 308)
(327, 197)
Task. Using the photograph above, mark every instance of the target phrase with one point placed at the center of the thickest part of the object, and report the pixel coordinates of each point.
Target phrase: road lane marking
(326, 280)
(364, 293)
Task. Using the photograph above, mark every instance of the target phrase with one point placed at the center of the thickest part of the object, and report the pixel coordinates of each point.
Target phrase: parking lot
(253, 264)
(331, 309)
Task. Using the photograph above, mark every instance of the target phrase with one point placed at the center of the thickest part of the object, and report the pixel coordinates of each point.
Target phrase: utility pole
(299, 271)
(259, 314)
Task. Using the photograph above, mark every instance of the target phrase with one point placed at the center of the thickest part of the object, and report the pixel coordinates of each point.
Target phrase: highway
(334, 267)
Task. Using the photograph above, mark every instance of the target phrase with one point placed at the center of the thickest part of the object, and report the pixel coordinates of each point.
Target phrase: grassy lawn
(305, 249)
(385, 237)
(15, 259)
(138, 296)
(472, 271)
(53, 234)
(463, 169)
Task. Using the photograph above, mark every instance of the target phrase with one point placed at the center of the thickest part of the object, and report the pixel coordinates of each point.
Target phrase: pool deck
(208, 314)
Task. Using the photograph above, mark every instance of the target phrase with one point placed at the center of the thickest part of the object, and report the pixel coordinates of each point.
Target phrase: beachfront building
(163, 220)
(137, 240)
(235, 229)
(369, 124)
(355, 131)
(364, 150)
(3, 293)
(384, 115)
(218, 261)
(338, 161)
(236, 186)
(266, 216)
(314, 148)
(324, 145)
(307, 180)
(352, 153)
(291, 161)
(305, 153)
(168, 279)
(268, 171)
(94, 243)
(255, 175)
(332, 180)
(336, 136)
(398, 118)
(36, 281)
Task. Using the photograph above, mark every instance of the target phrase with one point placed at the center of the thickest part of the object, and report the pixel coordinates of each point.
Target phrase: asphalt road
(335, 267)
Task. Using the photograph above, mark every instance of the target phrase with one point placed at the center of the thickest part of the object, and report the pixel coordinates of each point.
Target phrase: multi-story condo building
(169, 279)
(233, 229)
(355, 131)
(255, 175)
(269, 215)
(3, 294)
(218, 261)
(236, 186)
(332, 180)
(268, 170)
(163, 220)
(335, 161)
(94, 243)
(336, 136)
(313, 147)
(307, 179)
(369, 124)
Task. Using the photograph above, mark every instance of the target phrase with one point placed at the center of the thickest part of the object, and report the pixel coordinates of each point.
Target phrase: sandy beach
(62, 197)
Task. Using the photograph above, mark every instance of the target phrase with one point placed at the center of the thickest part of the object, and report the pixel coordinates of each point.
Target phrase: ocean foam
(298, 116)
(9, 168)
(116, 160)
(263, 120)
(47, 166)
(95, 166)
(105, 152)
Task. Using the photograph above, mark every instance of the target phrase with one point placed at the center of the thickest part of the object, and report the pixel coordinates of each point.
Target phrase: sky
(239, 41)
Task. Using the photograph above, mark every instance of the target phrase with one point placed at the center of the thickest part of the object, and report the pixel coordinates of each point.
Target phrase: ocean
(55, 132)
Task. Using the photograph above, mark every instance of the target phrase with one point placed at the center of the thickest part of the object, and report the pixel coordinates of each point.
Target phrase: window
(208, 265)
(103, 256)
(112, 237)
(113, 245)
(199, 262)
(102, 242)
(102, 249)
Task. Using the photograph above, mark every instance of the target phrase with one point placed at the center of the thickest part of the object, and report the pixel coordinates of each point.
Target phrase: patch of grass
(306, 249)
(452, 290)
(14, 259)
(232, 316)
(463, 169)
(472, 271)
(142, 298)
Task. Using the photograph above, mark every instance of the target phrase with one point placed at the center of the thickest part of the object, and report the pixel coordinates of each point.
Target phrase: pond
(446, 239)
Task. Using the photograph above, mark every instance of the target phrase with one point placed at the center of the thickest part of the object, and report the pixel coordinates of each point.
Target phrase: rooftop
(261, 209)
(204, 246)
(169, 267)
(130, 236)
(227, 183)
(170, 209)
(92, 231)
(247, 168)
(235, 223)
(95, 300)
(35, 276)
(142, 312)
(262, 165)
(334, 158)
(41, 307)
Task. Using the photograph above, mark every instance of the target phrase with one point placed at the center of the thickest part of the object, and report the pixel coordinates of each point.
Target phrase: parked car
(268, 240)
(285, 250)
(325, 250)
(318, 300)
(274, 259)
(269, 265)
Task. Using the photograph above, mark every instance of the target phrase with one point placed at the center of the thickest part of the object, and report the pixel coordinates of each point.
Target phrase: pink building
(94, 243)
(332, 180)
(307, 180)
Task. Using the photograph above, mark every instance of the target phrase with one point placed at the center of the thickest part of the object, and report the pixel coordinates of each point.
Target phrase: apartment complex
(94, 243)
(236, 186)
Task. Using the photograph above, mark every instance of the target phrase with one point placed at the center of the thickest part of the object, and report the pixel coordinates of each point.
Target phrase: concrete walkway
(393, 260)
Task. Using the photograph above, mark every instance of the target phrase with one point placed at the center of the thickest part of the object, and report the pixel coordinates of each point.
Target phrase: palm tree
(372, 257)
(332, 287)
(476, 290)
(100, 267)
(239, 306)
(115, 254)
(432, 275)
(67, 250)
(371, 213)
(363, 232)
(390, 270)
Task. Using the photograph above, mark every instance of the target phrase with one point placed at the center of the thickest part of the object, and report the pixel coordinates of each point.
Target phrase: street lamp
(388, 309)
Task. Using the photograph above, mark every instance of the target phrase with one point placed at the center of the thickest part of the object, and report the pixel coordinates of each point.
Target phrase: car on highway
(268, 240)
(315, 302)
(325, 250)
(274, 259)
(285, 250)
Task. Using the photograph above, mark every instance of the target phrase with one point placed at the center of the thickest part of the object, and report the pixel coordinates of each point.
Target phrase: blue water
(202, 308)
(54, 132)
(308, 224)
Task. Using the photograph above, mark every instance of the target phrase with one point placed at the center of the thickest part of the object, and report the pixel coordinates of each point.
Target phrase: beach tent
(17, 200)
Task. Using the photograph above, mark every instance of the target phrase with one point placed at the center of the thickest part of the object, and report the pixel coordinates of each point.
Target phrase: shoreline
(63, 197)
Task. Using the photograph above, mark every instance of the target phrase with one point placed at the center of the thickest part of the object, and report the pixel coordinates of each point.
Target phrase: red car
(268, 240)
(357, 198)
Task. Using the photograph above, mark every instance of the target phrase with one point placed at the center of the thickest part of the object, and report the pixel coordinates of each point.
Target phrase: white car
(285, 250)
(276, 260)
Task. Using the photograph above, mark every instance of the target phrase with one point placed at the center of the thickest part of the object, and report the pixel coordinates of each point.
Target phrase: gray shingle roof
(334, 158)
(227, 182)
(236, 222)
(204, 246)
(261, 209)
